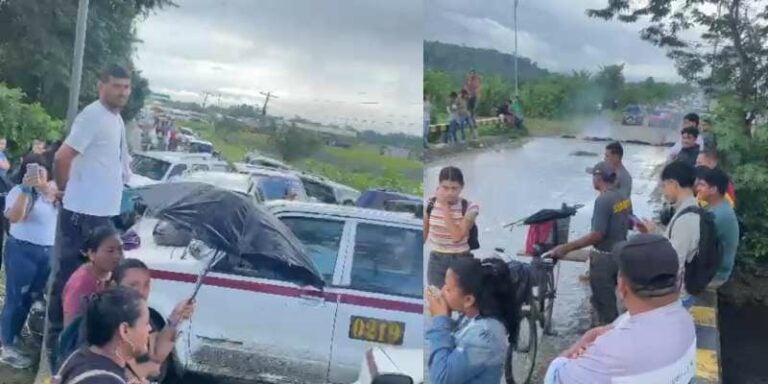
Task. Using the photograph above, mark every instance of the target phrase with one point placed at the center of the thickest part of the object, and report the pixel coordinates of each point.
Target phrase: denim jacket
(473, 353)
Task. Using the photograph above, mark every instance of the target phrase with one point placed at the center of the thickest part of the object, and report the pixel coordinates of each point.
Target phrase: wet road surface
(512, 183)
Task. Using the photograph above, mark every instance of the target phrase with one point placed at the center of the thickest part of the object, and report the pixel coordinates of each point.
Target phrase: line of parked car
(661, 117)
(367, 246)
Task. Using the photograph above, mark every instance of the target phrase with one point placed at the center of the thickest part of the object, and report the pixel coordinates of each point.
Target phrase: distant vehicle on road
(633, 115)
(266, 162)
(327, 191)
(663, 118)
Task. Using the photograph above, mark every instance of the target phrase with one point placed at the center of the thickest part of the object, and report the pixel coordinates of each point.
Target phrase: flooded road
(512, 183)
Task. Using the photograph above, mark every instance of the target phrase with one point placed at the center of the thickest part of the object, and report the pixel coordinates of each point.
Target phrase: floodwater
(510, 184)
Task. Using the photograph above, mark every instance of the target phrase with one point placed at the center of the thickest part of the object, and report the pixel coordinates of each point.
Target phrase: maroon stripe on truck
(252, 286)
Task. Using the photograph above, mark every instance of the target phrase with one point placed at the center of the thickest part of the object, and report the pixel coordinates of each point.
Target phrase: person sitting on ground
(504, 112)
(104, 251)
(712, 187)
(31, 210)
(133, 273)
(708, 160)
(117, 332)
(472, 350)
(653, 342)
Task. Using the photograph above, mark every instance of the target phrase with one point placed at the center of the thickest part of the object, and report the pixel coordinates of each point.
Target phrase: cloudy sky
(556, 34)
(334, 61)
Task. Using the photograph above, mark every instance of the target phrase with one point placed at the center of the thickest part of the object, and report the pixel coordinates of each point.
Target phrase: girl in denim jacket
(472, 349)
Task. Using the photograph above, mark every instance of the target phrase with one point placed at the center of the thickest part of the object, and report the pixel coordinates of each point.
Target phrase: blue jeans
(26, 272)
(453, 129)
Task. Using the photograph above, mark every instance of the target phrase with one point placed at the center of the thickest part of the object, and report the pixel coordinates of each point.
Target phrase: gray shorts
(438, 265)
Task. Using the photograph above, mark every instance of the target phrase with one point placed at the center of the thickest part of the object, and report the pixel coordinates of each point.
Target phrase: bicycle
(547, 229)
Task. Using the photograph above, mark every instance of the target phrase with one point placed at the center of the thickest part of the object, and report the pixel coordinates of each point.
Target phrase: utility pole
(76, 75)
(517, 81)
(268, 95)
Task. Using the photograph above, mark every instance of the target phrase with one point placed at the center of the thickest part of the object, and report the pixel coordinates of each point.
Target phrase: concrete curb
(704, 314)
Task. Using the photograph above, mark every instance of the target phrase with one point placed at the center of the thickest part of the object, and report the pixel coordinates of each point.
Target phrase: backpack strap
(431, 206)
(689, 209)
(464, 207)
(95, 373)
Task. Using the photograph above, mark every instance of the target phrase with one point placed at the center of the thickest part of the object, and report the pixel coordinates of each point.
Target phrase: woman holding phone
(31, 210)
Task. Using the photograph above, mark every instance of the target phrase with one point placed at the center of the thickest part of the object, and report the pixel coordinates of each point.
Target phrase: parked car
(236, 182)
(377, 198)
(187, 134)
(157, 167)
(388, 365)
(266, 162)
(327, 191)
(258, 325)
(274, 184)
(633, 115)
(661, 118)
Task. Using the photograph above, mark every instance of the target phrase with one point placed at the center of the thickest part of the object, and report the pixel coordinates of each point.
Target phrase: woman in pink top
(104, 251)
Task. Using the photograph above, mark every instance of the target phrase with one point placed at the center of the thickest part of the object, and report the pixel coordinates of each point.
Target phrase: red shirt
(80, 286)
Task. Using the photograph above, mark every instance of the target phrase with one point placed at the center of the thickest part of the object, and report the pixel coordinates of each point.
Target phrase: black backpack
(473, 241)
(704, 265)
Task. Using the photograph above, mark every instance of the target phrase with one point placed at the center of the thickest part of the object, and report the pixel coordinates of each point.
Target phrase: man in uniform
(610, 223)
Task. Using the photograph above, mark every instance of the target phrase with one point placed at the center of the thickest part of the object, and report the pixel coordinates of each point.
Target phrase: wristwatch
(26, 189)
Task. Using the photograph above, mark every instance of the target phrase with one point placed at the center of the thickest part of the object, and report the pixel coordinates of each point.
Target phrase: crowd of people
(462, 112)
(646, 333)
(61, 236)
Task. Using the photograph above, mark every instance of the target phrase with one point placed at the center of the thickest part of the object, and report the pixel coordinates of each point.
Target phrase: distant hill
(458, 60)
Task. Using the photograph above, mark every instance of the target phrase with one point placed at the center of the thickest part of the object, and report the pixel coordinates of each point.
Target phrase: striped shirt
(439, 237)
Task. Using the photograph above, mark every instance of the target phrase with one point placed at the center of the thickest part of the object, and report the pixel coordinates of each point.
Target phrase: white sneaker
(11, 356)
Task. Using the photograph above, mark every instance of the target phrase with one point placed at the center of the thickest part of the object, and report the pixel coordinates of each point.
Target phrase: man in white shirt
(91, 169)
(653, 342)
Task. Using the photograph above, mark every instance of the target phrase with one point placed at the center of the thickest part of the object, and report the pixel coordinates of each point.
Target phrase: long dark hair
(490, 282)
(97, 237)
(451, 173)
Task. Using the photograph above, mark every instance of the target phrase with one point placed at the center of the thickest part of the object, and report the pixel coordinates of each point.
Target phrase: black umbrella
(545, 215)
(231, 223)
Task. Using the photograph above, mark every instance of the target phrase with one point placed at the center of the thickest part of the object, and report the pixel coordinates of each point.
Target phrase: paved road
(510, 184)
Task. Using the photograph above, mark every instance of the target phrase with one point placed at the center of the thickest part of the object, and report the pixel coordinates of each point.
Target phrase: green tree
(37, 39)
(610, 80)
(729, 56)
(294, 143)
(22, 122)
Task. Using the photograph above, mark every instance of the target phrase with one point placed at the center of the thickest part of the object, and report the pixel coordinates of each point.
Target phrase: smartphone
(33, 170)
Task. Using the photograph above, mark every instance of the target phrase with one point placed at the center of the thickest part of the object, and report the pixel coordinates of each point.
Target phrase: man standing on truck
(610, 224)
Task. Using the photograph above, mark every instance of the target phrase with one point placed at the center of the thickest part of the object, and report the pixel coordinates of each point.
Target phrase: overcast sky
(356, 62)
(556, 34)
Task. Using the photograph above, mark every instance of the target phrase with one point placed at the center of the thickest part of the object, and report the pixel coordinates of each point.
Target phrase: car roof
(227, 180)
(173, 156)
(347, 212)
(392, 193)
(255, 170)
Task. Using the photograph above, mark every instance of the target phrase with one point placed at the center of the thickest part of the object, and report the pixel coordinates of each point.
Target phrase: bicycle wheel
(521, 357)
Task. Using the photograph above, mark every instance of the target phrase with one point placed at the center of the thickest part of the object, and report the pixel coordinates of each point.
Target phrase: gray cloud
(555, 33)
(322, 58)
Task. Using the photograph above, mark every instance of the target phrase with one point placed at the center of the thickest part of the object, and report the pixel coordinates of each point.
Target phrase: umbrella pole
(204, 273)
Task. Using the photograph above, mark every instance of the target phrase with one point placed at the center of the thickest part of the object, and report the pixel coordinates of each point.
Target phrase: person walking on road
(653, 342)
(614, 155)
(31, 210)
(454, 122)
(91, 167)
(610, 224)
(448, 225)
(677, 180)
(465, 119)
(712, 188)
(472, 349)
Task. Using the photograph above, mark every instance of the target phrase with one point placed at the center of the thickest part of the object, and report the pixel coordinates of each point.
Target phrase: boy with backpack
(712, 187)
(449, 225)
(691, 231)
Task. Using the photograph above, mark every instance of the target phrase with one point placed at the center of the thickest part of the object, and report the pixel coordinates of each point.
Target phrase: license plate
(376, 330)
